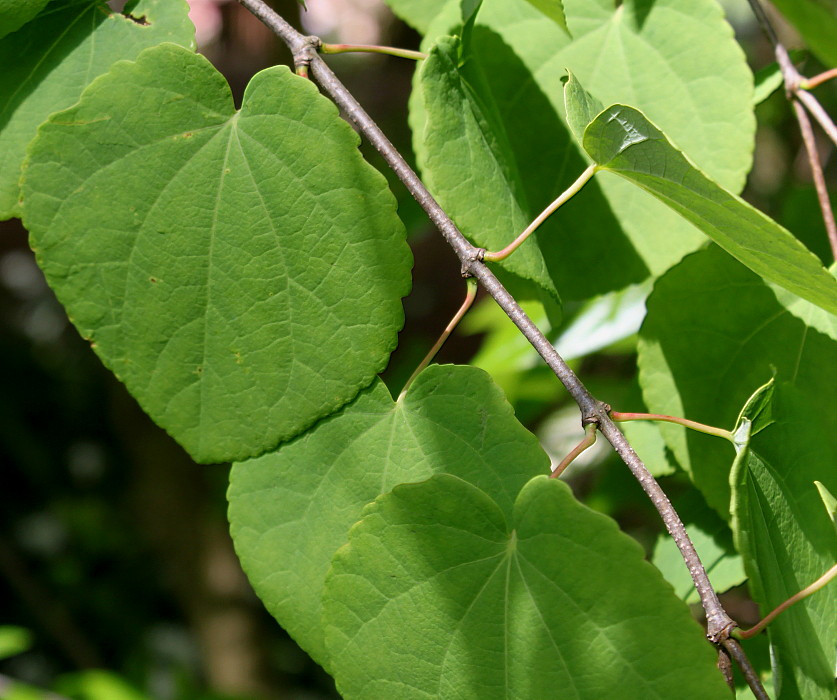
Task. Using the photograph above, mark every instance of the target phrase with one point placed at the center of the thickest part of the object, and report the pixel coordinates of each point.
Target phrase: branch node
(304, 52)
(474, 255)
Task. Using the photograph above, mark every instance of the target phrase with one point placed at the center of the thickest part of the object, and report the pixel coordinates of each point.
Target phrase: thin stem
(592, 410)
(543, 216)
(817, 173)
(733, 648)
(817, 80)
(818, 112)
(685, 422)
(587, 441)
(804, 593)
(470, 295)
(368, 48)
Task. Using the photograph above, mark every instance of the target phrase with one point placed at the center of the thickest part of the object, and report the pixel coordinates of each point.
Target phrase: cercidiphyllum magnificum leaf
(49, 62)
(443, 593)
(610, 234)
(240, 272)
(291, 510)
(786, 536)
(621, 140)
(15, 13)
(816, 20)
(418, 13)
(715, 332)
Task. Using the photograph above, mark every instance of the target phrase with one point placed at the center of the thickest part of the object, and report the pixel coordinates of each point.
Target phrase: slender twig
(719, 623)
(817, 173)
(733, 648)
(470, 295)
(817, 80)
(804, 593)
(543, 216)
(796, 87)
(818, 112)
(367, 48)
(685, 422)
(587, 441)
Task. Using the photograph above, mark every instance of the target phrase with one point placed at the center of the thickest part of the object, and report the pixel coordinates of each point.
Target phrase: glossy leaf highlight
(623, 141)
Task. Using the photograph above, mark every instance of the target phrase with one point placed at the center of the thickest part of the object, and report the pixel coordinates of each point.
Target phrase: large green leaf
(713, 334)
(787, 537)
(15, 13)
(241, 272)
(609, 235)
(444, 593)
(291, 510)
(418, 13)
(816, 20)
(621, 140)
(49, 62)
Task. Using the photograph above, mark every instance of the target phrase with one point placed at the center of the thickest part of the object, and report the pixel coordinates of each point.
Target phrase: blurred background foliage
(118, 580)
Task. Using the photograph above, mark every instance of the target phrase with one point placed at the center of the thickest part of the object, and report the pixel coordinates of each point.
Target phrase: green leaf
(769, 79)
(291, 510)
(581, 107)
(443, 592)
(49, 62)
(213, 256)
(786, 537)
(621, 140)
(828, 501)
(712, 539)
(14, 640)
(554, 9)
(713, 334)
(417, 13)
(499, 153)
(816, 20)
(15, 13)
(465, 132)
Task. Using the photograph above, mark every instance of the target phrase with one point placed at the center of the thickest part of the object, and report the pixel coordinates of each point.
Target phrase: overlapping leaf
(291, 510)
(786, 536)
(241, 272)
(49, 62)
(621, 140)
(443, 592)
(513, 153)
(418, 13)
(15, 13)
(714, 332)
(816, 20)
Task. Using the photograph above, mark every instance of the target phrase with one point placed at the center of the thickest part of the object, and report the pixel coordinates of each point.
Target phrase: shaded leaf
(581, 107)
(787, 539)
(554, 9)
(816, 20)
(49, 62)
(14, 640)
(15, 13)
(214, 257)
(547, 599)
(621, 140)
(291, 510)
(714, 333)
(608, 236)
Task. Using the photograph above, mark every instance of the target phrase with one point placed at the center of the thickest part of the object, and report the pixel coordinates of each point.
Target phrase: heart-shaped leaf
(240, 271)
(49, 62)
(442, 592)
(291, 510)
